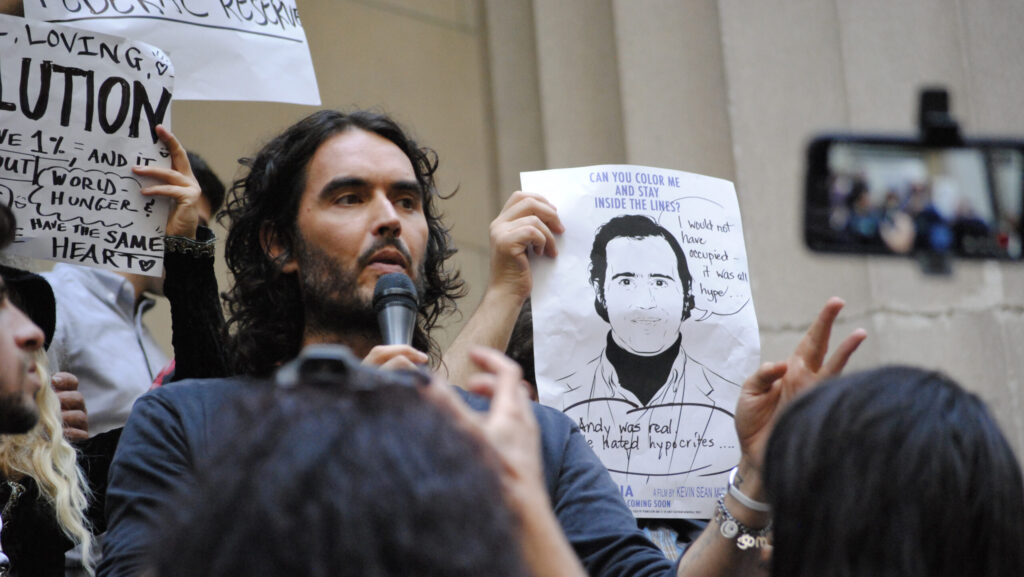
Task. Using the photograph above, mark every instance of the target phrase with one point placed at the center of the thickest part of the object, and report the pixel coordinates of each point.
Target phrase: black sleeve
(197, 319)
(94, 457)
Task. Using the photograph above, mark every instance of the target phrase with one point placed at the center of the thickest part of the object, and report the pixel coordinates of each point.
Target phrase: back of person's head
(212, 187)
(894, 471)
(8, 226)
(374, 481)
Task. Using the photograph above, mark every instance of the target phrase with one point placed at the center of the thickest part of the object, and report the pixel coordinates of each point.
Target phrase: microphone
(396, 303)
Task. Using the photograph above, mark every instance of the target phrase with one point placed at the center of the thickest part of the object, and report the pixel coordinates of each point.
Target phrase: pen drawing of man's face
(643, 294)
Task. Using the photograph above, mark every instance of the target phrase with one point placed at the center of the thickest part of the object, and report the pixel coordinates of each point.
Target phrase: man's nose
(645, 298)
(386, 221)
(27, 335)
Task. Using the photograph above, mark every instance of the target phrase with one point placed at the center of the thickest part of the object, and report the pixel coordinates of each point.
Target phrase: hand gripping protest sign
(644, 327)
(77, 111)
(222, 49)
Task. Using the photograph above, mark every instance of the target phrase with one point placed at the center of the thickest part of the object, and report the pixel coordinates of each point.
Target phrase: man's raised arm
(527, 220)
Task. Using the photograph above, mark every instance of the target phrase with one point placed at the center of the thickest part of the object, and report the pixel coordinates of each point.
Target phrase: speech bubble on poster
(222, 49)
(651, 278)
(77, 111)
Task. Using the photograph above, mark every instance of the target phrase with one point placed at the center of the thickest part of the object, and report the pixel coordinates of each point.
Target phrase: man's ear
(598, 293)
(599, 304)
(276, 250)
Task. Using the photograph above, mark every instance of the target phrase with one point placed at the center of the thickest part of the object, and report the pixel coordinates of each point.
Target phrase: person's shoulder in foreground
(169, 430)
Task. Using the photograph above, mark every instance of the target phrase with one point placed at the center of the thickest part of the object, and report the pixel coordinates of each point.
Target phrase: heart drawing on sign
(146, 264)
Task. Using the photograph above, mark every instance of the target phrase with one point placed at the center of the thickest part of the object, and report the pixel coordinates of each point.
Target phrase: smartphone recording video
(880, 195)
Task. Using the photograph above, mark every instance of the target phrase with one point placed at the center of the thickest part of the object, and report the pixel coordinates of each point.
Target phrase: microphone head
(395, 288)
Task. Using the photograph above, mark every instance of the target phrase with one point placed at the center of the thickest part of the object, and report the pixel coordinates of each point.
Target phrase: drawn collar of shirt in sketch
(639, 374)
(599, 380)
(680, 431)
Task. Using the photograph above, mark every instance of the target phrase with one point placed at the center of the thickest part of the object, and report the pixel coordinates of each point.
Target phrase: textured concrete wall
(674, 102)
(579, 82)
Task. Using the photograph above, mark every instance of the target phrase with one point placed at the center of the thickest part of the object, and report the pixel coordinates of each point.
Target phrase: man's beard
(334, 305)
(18, 411)
(16, 415)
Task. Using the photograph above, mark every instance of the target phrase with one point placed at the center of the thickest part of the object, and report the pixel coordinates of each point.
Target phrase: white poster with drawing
(644, 327)
(72, 126)
(222, 49)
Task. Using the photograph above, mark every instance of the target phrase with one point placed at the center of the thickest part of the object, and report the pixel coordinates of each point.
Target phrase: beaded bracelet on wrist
(730, 528)
(192, 247)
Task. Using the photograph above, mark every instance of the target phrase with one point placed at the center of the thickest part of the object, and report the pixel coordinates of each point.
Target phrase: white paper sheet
(77, 112)
(222, 49)
(670, 449)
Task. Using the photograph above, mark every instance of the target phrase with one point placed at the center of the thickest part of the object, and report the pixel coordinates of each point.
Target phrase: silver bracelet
(744, 500)
(730, 527)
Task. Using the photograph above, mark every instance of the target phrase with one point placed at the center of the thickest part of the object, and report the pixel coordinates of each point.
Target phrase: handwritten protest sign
(644, 327)
(77, 111)
(222, 49)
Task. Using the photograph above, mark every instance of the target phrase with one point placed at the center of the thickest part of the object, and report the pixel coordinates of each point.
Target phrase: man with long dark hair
(333, 203)
(327, 207)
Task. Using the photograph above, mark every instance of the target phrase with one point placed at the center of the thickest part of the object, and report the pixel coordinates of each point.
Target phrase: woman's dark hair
(8, 226)
(335, 483)
(209, 182)
(895, 471)
(520, 343)
(265, 312)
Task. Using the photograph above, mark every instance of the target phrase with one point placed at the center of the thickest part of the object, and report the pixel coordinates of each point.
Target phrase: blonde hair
(44, 455)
